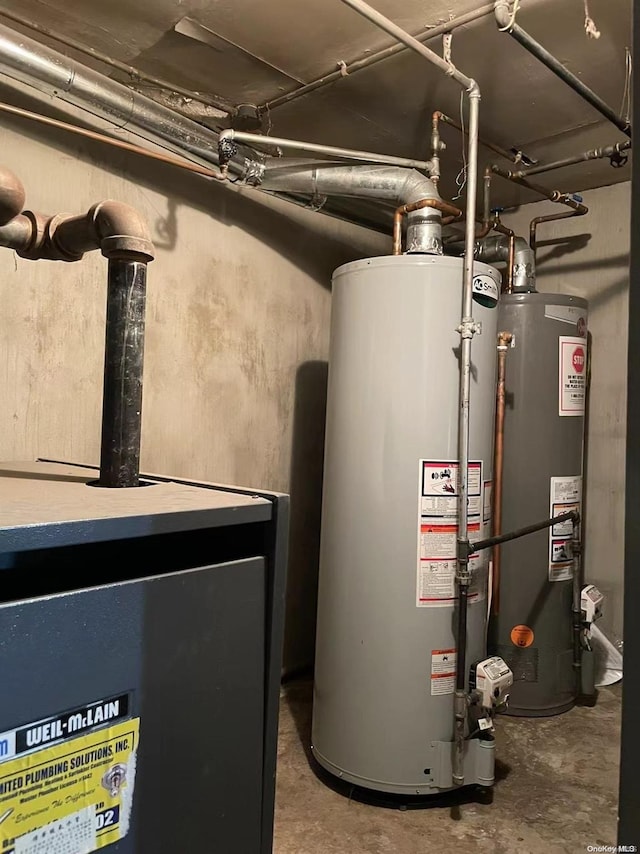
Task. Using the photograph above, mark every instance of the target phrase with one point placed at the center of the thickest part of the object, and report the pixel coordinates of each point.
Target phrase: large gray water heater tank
(385, 660)
(545, 386)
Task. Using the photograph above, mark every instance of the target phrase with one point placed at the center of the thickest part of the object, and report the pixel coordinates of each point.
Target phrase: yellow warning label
(75, 796)
(522, 636)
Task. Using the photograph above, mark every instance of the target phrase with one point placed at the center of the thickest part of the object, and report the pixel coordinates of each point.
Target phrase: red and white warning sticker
(572, 378)
(438, 531)
(443, 671)
(565, 496)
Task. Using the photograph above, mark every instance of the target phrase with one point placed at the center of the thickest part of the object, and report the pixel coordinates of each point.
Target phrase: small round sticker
(522, 636)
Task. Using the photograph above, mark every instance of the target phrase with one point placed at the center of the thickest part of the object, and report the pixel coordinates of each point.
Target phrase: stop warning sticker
(522, 636)
(572, 361)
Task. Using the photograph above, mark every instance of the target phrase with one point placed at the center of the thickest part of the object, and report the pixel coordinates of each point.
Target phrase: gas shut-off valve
(490, 681)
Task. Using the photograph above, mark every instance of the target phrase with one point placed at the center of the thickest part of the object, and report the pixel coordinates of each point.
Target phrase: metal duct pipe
(467, 329)
(388, 183)
(30, 62)
(496, 248)
(504, 20)
(49, 71)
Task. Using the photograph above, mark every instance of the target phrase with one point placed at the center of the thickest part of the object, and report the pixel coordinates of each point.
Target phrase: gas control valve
(591, 601)
(491, 680)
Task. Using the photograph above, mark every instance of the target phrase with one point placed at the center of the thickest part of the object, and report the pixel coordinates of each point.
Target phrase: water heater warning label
(572, 380)
(438, 531)
(565, 495)
(443, 671)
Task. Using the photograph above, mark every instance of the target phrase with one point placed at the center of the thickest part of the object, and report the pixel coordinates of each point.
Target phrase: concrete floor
(556, 792)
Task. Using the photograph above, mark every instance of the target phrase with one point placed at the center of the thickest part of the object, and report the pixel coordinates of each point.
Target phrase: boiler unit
(386, 639)
(534, 627)
(140, 619)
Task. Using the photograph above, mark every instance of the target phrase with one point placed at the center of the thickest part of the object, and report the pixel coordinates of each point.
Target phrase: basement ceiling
(251, 51)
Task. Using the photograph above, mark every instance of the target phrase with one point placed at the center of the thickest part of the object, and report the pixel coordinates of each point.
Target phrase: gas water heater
(545, 385)
(386, 641)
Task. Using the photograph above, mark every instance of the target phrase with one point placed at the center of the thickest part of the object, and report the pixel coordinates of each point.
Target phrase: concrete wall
(589, 257)
(237, 332)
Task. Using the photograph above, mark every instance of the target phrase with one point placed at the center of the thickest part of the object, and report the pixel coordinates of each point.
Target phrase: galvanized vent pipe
(49, 71)
(382, 183)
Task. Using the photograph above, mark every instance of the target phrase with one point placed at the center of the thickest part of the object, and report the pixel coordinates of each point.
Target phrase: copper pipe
(577, 209)
(452, 212)
(551, 195)
(115, 143)
(511, 262)
(504, 339)
(580, 210)
(486, 205)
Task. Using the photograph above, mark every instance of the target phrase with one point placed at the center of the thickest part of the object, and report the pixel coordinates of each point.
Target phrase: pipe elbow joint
(12, 196)
(473, 90)
(503, 15)
(122, 231)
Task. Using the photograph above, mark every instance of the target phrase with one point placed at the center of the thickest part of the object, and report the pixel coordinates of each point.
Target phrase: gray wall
(589, 256)
(237, 332)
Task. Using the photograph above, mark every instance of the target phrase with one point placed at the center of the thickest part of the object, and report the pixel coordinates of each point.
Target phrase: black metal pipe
(123, 363)
(576, 606)
(490, 542)
(503, 17)
(461, 639)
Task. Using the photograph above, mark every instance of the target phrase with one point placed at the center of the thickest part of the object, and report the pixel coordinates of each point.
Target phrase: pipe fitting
(117, 229)
(386, 183)
(453, 214)
(496, 248)
(502, 13)
(123, 231)
(12, 196)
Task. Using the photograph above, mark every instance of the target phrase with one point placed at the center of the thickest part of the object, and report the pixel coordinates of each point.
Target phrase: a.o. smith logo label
(35, 736)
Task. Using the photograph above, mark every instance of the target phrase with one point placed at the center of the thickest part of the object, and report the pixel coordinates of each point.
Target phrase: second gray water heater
(546, 379)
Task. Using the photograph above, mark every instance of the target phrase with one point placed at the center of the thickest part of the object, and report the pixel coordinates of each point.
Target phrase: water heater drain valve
(491, 680)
